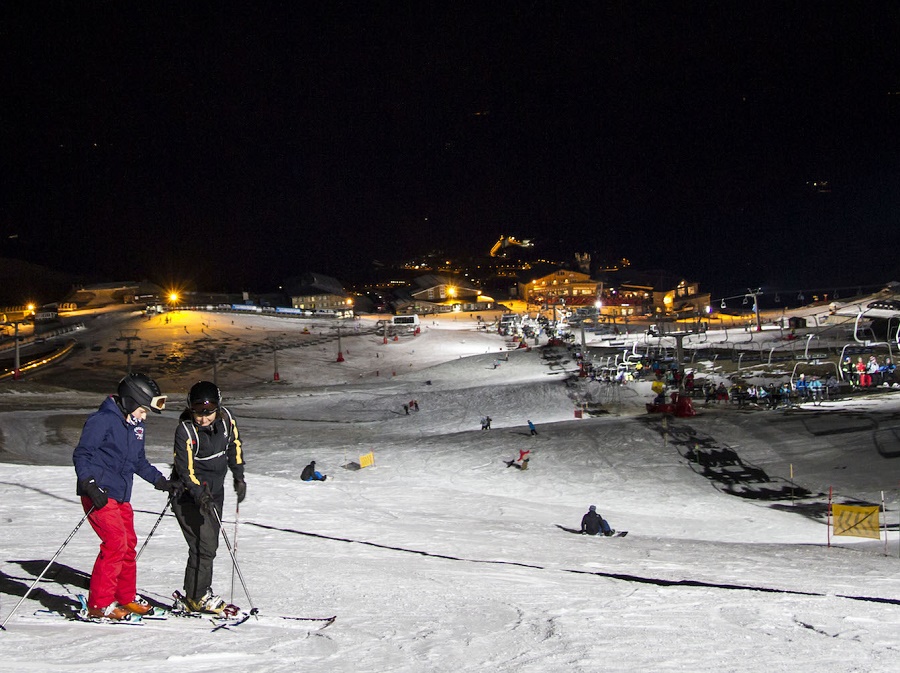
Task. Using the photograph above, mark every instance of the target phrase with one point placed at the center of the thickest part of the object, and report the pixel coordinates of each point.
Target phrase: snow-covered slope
(440, 558)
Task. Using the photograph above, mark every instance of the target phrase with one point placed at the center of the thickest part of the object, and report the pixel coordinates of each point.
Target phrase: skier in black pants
(594, 524)
(207, 445)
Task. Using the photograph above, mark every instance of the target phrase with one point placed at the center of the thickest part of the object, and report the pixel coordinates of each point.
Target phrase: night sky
(231, 145)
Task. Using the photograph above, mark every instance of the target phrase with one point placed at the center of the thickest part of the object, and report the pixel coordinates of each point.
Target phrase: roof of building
(432, 280)
(311, 283)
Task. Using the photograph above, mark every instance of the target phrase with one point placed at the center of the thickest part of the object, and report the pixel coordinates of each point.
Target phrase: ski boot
(208, 604)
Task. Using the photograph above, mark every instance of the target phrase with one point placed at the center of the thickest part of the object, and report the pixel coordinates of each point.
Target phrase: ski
(225, 624)
(154, 617)
(233, 616)
(76, 616)
(82, 615)
(227, 620)
(329, 620)
(300, 622)
(284, 621)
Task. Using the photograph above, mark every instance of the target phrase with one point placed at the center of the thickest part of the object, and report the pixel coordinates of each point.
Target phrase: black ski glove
(95, 493)
(172, 486)
(240, 487)
(205, 501)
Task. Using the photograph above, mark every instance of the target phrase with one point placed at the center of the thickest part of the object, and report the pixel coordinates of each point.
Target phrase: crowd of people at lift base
(863, 374)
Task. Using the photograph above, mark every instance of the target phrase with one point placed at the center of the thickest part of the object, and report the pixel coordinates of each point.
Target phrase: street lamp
(17, 366)
(17, 373)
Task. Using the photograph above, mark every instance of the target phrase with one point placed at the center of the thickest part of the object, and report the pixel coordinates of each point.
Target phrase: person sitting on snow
(594, 524)
(310, 473)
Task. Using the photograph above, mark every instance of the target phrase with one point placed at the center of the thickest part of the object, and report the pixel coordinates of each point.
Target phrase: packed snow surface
(441, 558)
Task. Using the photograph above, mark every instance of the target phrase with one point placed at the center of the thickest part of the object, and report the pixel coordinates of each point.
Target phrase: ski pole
(253, 610)
(237, 514)
(43, 572)
(153, 530)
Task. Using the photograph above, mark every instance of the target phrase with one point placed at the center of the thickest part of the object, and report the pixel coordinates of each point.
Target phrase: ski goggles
(204, 409)
(158, 403)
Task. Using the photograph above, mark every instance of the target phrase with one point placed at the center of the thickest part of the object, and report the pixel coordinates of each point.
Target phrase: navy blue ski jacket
(111, 450)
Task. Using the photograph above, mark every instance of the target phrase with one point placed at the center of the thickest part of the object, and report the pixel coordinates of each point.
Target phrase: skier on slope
(109, 454)
(521, 462)
(594, 524)
(207, 445)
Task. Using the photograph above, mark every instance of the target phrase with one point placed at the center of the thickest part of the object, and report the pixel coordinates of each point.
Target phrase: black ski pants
(201, 532)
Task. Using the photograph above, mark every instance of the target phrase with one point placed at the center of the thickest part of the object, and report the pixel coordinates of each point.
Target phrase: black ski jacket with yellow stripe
(204, 455)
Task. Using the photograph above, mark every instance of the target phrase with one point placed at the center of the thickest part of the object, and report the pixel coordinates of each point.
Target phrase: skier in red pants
(109, 454)
(521, 462)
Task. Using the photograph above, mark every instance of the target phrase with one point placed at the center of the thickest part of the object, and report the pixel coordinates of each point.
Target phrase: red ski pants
(114, 577)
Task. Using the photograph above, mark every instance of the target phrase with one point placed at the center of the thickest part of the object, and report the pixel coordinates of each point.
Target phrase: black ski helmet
(204, 396)
(139, 390)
